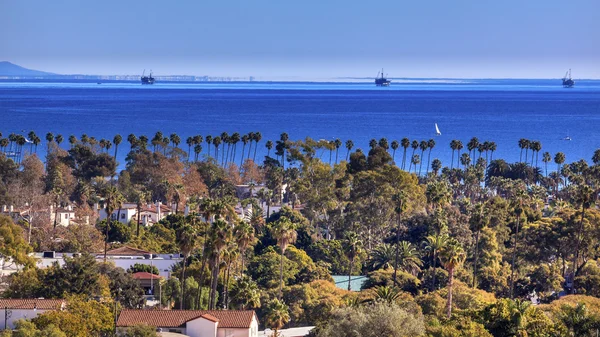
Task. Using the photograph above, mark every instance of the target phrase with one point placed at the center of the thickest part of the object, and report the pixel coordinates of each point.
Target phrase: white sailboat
(437, 130)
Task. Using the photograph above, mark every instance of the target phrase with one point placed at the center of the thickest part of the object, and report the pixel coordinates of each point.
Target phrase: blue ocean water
(497, 110)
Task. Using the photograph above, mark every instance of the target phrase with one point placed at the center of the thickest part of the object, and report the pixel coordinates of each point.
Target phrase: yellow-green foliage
(592, 304)
(464, 299)
(457, 327)
(312, 302)
(385, 277)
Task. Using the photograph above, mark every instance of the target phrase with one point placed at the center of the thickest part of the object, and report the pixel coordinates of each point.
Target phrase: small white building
(149, 213)
(64, 215)
(194, 323)
(12, 310)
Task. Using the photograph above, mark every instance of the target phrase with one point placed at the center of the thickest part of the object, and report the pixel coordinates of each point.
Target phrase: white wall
(228, 332)
(201, 327)
(163, 265)
(17, 314)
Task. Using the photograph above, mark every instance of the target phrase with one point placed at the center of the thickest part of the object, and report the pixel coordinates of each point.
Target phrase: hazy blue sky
(308, 38)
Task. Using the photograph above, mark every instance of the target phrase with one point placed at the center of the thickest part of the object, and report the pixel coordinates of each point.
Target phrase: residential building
(149, 213)
(194, 323)
(13, 310)
(64, 216)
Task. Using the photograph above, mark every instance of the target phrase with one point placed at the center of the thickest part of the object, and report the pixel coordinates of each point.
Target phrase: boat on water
(437, 130)
(567, 81)
(382, 81)
(147, 79)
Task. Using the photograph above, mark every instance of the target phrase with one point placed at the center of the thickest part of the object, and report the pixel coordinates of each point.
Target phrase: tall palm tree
(197, 151)
(453, 144)
(585, 197)
(175, 139)
(479, 220)
(244, 236)
(459, 147)
(186, 240)
(225, 140)
(220, 238)
(111, 196)
(414, 145)
(131, 139)
(434, 244)
(395, 146)
(245, 139)
(230, 254)
(216, 143)
(257, 138)
(415, 161)
(269, 146)
(472, 146)
(142, 142)
(518, 202)
(157, 140)
(493, 148)
(189, 141)
(352, 247)
(546, 158)
(284, 231)
(72, 140)
(405, 143)
(117, 140)
(523, 143)
(349, 146)
(337, 144)
(559, 159)
(234, 139)
(276, 316)
(208, 139)
(452, 257)
(430, 146)
(423, 145)
(49, 138)
(372, 143)
(59, 139)
(383, 142)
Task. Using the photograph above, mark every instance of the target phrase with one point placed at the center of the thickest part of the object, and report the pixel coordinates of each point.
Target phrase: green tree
(245, 293)
(13, 246)
(186, 239)
(352, 247)
(452, 257)
(277, 315)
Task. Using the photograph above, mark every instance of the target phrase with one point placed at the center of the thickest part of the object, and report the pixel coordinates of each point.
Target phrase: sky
(305, 39)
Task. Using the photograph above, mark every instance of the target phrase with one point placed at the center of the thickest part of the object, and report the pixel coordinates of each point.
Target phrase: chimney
(4, 208)
(96, 207)
(186, 211)
(158, 203)
(173, 207)
(69, 208)
(11, 208)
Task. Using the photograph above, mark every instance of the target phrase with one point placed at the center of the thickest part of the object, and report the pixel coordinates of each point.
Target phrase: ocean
(502, 111)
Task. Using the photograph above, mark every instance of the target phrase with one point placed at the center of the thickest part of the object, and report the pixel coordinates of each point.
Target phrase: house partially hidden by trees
(194, 323)
(12, 310)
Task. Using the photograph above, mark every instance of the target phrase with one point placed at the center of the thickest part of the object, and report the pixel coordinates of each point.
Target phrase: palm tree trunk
(226, 300)
(476, 258)
(215, 281)
(249, 149)
(350, 273)
(514, 257)
(404, 159)
(139, 214)
(201, 281)
(397, 250)
(450, 282)
(578, 243)
(452, 162)
(254, 157)
(434, 272)
(281, 276)
(428, 158)
(182, 283)
(243, 150)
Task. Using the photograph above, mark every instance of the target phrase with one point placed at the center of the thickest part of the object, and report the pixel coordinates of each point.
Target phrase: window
(113, 216)
(229, 333)
(123, 216)
(66, 216)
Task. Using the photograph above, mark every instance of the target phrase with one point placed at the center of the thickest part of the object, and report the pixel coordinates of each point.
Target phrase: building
(123, 257)
(194, 323)
(13, 310)
(149, 213)
(64, 216)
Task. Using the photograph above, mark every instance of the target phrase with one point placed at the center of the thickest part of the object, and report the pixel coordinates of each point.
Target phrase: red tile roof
(177, 318)
(127, 251)
(31, 303)
(142, 275)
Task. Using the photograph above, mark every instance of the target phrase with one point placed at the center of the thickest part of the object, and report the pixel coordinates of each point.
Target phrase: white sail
(437, 130)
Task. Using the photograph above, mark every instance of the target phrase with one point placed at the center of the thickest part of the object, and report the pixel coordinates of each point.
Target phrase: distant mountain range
(12, 70)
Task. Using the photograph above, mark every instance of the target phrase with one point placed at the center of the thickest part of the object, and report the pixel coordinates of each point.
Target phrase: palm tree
(389, 295)
(405, 143)
(216, 143)
(452, 257)
(459, 147)
(284, 231)
(546, 158)
(536, 147)
(224, 140)
(430, 146)
(156, 141)
(337, 144)
(383, 142)
(186, 240)
(585, 197)
(257, 138)
(175, 139)
(518, 200)
(523, 143)
(208, 141)
(395, 146)
(434, 244)
(559, 159)
(414, 145)
(132, 139)
(276, 316)
(220, 237)
(577, 319)
(244, 236)
(381, 257)
(352, 246)
(423, 146)
(245, 140)
(230, 254)
(415, 161)
(408, 258)
(479, 220)
(349, 146)
(234, 139)
(465, 159)
(117, 140)
(472, 145)
(111, 197)
(197, 150)
(492, 148)
(189, 141)
(436, 166)
(72, 140)
(245, 293)
(372, 143)
(453, 147)
(269, 146)
(49, 138)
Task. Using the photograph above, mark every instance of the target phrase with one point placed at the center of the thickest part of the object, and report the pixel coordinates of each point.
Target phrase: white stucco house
(194, 323)
(12, 310)
(149, 213)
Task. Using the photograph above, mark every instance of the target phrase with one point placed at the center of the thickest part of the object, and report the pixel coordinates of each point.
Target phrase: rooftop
(127, 251)
(177, 318)
(32, 303)
(142, 275)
